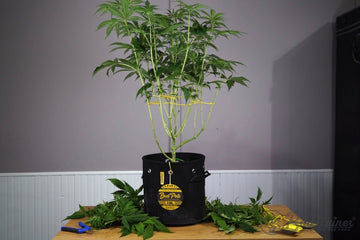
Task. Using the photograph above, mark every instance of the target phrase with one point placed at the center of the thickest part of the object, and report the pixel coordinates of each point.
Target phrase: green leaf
(143, 89)
(259, 194)
(75, 215)
(105, 23)
(148, 232)
(109, 29)
(140, 228)
(114, 11)
(120, 45)
(267, 201)
(186, 93)
(85, 212)
(117, 183)
(125, 231)
(171, 28)
(125, 223)
(240, 80)
(129, 75)
(217, 83)
(247, 227)
(137, 217)
(159, 226)
(230, 229)
(103, 65)
(218, 220)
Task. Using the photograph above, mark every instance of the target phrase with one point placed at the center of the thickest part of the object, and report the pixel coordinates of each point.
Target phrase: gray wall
(54, 116)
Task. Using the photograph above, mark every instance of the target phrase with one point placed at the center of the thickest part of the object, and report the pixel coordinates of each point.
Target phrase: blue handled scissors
(83, 228)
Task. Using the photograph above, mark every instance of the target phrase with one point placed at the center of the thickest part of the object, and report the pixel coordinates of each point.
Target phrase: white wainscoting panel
(32, 205)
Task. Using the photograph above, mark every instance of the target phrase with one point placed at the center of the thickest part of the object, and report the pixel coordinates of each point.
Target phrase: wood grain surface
(202, 231)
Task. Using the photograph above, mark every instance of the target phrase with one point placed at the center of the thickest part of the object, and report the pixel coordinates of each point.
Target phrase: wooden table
(202, 231)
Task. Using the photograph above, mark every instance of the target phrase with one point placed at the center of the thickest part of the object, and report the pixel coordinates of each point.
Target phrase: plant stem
(203, 127)
(154, 133)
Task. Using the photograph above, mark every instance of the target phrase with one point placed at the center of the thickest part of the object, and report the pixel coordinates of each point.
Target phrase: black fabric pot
(183, 201)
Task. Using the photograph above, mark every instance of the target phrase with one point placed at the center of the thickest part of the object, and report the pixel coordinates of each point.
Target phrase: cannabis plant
(170, 53)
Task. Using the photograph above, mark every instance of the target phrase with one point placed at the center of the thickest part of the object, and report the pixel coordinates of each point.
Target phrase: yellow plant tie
(278, 221)
(282, 223)
(182, 104)
(166, 97)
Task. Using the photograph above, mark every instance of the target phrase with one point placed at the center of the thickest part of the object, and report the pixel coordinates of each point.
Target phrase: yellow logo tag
(170, 197)
(162, 178)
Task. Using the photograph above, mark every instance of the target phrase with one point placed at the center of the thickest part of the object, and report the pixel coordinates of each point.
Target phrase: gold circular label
(170, 197)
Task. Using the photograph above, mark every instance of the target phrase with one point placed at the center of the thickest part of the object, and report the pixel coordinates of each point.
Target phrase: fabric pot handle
(198, 178)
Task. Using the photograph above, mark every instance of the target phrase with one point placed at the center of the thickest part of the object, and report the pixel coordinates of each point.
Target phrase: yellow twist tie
(182, 104)
(278, 222)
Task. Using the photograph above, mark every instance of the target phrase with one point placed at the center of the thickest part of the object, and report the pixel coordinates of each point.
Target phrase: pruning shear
(83, 228)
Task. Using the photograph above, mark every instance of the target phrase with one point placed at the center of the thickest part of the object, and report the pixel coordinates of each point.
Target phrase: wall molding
(139, 172)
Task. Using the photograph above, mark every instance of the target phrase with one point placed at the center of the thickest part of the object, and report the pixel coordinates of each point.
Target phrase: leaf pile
(126, 211)
(230, 217)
